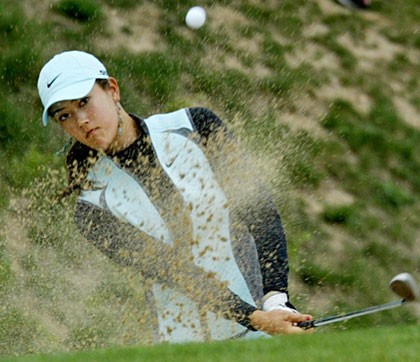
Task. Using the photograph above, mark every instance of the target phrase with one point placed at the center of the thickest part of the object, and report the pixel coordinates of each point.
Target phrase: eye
(63, 117)
(83, 101)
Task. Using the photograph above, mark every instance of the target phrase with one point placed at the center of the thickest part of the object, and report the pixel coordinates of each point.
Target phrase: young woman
(156, 194)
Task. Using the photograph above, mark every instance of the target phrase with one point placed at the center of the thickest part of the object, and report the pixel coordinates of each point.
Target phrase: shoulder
(202, 120)
(204, 116)
(205, 121)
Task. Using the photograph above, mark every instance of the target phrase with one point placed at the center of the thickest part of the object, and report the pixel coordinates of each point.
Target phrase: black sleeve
(208, 124)
(262, 219)
(264, 223)
(157, 261)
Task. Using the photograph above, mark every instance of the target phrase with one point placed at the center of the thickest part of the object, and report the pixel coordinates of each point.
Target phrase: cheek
(70, 129)
(106, 113)
(109, 122)
(109, 118)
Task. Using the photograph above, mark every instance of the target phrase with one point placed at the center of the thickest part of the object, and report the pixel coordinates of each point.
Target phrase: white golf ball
(196, 17)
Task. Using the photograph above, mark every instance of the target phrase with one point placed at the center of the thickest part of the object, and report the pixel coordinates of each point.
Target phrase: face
(92, 120)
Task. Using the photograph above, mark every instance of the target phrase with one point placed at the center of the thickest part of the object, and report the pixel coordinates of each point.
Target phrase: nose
(82, 118)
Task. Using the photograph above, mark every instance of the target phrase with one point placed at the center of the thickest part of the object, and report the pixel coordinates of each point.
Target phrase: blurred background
(326, 98)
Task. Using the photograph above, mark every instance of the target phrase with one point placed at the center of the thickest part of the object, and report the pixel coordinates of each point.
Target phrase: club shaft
(358, 313)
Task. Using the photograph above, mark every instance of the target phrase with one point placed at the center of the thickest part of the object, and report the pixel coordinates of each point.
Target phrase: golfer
(154, 194)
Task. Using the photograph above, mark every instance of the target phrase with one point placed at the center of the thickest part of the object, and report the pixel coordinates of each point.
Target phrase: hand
(279, 322)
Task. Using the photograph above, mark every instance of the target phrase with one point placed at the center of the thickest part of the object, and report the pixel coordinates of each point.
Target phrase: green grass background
(379, 344)
(326, 99)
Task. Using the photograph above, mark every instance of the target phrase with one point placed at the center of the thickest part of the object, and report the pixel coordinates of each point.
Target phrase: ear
(114, 89)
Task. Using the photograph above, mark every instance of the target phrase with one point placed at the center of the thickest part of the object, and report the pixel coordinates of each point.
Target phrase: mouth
(91, 132)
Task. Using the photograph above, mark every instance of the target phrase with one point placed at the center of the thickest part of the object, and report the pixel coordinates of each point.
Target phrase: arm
(264, 223)
(127, 246)
(261, 218)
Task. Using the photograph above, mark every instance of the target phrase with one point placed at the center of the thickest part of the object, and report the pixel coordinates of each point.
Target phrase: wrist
(256, 319)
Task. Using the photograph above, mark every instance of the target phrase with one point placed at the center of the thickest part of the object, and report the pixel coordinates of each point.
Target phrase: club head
(405, 286)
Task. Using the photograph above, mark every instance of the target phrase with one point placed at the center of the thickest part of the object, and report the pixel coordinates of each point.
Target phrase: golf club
(402, 284)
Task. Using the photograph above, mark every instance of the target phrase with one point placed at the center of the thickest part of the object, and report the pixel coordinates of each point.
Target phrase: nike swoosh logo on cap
(50, 83)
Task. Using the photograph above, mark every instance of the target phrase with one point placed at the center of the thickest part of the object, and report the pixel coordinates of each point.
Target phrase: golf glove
(277, 300)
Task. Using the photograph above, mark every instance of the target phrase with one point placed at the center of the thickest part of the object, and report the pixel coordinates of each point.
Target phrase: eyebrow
(54, 111)
(52, 114)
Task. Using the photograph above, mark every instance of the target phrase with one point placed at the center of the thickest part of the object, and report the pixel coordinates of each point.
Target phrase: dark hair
(103, 83)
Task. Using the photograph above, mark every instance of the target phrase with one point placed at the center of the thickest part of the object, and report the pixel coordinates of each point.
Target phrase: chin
(99, 146)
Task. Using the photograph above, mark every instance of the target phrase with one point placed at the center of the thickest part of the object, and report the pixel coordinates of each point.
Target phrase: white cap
(67, 76)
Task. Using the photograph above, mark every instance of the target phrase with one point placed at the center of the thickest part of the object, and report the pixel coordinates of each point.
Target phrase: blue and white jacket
(160, 206)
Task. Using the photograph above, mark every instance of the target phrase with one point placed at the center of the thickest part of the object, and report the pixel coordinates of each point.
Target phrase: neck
(127, 133)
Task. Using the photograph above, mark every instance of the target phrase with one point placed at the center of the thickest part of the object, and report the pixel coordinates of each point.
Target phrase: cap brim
(74, 91)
